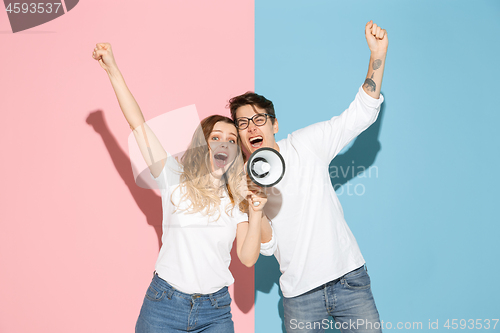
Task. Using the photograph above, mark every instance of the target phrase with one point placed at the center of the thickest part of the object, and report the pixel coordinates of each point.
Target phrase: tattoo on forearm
(376, 64)
(370, 85)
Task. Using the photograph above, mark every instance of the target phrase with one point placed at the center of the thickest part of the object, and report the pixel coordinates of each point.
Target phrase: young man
(322, 267)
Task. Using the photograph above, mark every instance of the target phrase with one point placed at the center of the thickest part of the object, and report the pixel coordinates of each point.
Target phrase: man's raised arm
(377, 42)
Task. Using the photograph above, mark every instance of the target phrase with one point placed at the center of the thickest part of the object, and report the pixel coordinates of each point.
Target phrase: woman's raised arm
(150, 147)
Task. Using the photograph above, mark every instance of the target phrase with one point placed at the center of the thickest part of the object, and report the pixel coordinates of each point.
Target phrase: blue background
(426, 218)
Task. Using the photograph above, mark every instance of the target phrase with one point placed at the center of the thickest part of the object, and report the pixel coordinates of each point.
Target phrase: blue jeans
(166, 309)
(348, 300)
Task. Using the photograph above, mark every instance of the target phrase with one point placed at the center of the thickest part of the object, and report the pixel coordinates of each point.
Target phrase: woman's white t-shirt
(196, 250)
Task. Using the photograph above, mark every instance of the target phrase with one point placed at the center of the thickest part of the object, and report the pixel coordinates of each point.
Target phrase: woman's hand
(104, 54)
(256, 197)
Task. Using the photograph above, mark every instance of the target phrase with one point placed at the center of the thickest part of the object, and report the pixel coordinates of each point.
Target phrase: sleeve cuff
(269, 248)
(368, 100)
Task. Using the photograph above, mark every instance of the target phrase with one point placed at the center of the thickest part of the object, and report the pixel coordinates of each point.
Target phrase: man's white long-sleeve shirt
(314, 243)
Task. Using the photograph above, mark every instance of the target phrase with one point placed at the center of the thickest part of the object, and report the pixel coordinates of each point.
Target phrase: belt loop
(212, 299)
(170, 293)
(366, 267)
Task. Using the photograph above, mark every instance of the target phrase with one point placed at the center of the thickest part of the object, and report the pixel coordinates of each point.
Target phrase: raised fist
(376, 38)
(104, 54)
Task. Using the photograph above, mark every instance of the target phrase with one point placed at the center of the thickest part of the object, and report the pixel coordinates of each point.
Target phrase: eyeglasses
(259, 119)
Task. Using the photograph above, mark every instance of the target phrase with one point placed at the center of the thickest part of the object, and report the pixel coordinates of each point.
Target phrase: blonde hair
(196, 184)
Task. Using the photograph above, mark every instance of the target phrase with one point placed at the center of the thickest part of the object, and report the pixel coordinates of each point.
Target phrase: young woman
(206, 204)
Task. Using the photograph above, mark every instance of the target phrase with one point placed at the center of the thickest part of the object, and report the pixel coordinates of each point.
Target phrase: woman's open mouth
(256, 141)
(220, 160)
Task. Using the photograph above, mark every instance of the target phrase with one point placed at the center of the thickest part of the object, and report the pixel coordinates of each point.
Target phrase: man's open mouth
(220, 159)
(256, 141)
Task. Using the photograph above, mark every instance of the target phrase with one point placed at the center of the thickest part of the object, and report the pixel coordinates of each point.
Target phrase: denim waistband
(164, 285)
(331, 283)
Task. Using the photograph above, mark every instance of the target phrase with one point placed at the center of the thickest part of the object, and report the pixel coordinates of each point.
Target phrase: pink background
(78, 238)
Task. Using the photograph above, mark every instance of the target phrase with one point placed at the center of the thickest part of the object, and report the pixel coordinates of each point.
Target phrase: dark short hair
(253, 99)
